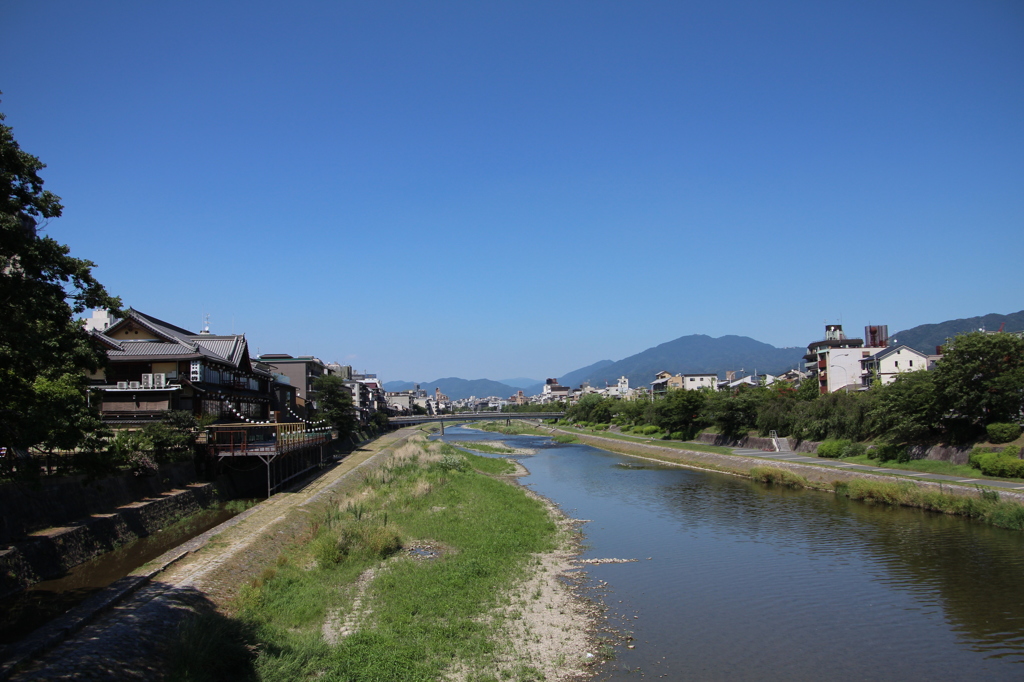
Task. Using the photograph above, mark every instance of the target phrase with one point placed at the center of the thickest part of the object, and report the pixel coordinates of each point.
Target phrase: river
(737, 580)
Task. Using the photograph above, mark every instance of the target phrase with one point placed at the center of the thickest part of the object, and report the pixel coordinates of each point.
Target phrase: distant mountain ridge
(455, 388)
(702, 354)
(926, 337)
(694, 354)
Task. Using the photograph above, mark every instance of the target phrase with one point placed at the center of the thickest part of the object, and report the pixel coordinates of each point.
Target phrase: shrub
(648, 430)
(677, 435)
(600, 427)
(453, 463)
(1001, 464)
(833, 449)
(855, 450)
(1002, 433)
(887, 452)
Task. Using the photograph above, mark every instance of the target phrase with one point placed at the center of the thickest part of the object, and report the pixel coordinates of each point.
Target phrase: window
(911, 363)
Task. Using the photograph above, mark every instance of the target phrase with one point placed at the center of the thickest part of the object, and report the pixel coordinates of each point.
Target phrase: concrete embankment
(50, 552)
(123, 632)
(819, 475)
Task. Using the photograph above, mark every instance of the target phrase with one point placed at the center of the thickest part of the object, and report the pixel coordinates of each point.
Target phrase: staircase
(781, 444)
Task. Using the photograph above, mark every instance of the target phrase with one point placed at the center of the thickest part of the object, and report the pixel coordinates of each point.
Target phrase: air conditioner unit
(159, 380)
(147, 381)
(173, 374)
(134, 385)
(122, 385)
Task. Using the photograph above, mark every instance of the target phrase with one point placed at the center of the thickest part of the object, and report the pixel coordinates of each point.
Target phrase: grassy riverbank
(487, 448)
(982, 505)
(516, 428)
(416, 575)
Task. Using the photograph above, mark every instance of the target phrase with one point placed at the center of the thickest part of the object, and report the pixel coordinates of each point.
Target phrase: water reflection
(752, 582)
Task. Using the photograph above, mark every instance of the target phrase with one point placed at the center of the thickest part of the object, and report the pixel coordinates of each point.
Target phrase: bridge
(472, 417)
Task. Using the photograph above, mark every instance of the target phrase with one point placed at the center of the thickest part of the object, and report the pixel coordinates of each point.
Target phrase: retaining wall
(49, 553)
(29, 507)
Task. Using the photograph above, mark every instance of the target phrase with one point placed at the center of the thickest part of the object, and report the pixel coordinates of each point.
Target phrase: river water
(737, 580)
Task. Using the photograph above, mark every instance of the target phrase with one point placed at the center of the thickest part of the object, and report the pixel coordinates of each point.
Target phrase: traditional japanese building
(154, 366)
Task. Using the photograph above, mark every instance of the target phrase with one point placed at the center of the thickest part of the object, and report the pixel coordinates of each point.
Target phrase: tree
(678, 412)
(334, 403)
(980, 380)
(44, 352)
(907, 410)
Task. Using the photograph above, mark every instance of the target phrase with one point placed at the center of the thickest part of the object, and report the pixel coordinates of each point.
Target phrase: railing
(241, 440)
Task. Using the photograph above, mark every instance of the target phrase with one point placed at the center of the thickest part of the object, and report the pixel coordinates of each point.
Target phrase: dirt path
(130, 640)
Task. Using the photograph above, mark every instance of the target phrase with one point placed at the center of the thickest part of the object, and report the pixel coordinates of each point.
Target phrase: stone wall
(26, 507)
(49, 553)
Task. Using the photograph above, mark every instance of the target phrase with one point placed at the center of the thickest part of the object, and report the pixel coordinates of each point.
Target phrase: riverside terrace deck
(288, 450)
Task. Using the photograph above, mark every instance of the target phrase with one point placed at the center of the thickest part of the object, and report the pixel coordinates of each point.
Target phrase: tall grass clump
(776, 476)
(987, 507)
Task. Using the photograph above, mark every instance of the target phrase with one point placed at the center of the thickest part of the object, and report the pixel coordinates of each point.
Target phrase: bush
(648, 430)
(1004, 464)
(600, 427)
(677, 435)
(833, 449)
(887, 452)
(855, 450)
(453, 463)
(1002, 433)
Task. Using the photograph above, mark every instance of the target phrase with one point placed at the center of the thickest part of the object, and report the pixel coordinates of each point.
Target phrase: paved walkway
(867, 468)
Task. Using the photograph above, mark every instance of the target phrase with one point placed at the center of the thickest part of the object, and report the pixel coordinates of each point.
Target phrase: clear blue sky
(484, 189)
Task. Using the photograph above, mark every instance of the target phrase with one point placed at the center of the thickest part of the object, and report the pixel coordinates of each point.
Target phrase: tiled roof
(178, 342)
(141, 348)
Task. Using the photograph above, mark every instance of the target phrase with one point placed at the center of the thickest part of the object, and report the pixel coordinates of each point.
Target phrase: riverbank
(436, 567)
(1001, 508)
(205, 611)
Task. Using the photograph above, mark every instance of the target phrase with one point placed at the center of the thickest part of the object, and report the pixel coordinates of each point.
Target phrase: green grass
(679, 445)
(777, 476)
(925, 465)
(987, 507)
(516, 428)
(426, 615)
(483, 447)
(565, 438)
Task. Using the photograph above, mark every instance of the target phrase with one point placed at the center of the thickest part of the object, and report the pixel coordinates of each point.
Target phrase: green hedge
(1002, 433)
(1005, 464)
(833, 449)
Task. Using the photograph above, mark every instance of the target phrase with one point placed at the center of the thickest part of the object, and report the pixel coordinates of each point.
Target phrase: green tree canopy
(907, 410)
(44, 352)
(334, 403)
(980, 380)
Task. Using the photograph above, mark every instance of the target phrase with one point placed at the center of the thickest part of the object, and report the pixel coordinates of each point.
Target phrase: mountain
(456, 388)
(573, 378)
(926, 337)
(520, 382)
(694, 354)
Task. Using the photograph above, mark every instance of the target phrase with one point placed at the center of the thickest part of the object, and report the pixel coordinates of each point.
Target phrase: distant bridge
(472, 417)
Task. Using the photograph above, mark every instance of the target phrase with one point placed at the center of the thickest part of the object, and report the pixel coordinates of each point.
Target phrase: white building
(889, 363)
(692, 382)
